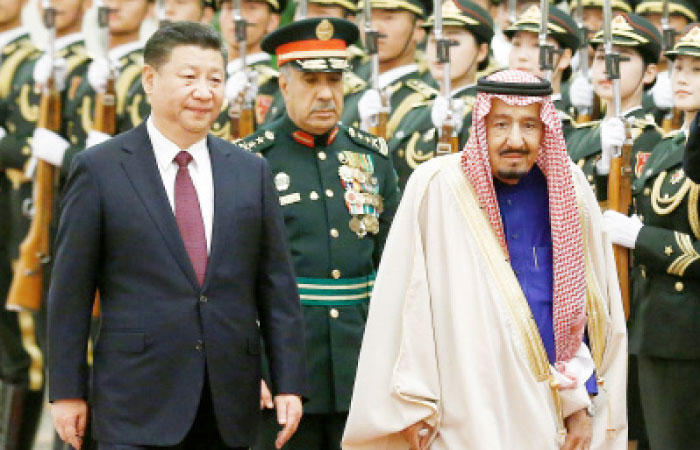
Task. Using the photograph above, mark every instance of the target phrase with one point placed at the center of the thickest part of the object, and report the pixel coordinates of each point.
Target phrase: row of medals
(361, 192)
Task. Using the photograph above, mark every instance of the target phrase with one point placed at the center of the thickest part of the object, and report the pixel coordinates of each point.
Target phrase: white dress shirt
(199, 168)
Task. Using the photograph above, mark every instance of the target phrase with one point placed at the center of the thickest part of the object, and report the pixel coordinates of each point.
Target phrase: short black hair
(161, 44)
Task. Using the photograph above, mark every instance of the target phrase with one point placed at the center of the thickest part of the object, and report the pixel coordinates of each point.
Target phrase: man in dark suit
(182, 235)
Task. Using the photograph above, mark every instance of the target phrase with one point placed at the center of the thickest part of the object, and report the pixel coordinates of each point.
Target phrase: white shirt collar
(386, 78)
(556, 96)
(10, 35)
(236, 64)
(118, 52)
(166, 150)
(65, 41)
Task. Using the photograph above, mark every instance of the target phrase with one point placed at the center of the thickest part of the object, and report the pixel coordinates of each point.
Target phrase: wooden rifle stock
(380, 128)
(242, 118)
(620, 199)
(673, 120)
(448, 141)
(26, 289)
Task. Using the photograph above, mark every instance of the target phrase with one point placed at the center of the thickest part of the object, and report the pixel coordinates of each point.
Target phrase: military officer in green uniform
(664, 234)
(591, 145)
(257, 82)
(338, 192)
(400, 83)
(415, 139)
(21, 386)
(563, 34)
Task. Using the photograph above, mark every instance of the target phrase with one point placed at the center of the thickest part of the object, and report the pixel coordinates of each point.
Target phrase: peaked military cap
(466, 14)
(421, 8)
(560, 26)
(688, 44)
(680, 7)
(277, 5)
(313, 45)
(213, 4)
(350, 5)
(617, 5)
(631, 30)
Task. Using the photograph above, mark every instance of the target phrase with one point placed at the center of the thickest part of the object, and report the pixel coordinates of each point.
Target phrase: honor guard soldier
(255, 83)
(563, 34)
(664, 234)
(659, 100)
(338, 192)
(591, 145)
(415, 140)
(21, 386)
(400, 85)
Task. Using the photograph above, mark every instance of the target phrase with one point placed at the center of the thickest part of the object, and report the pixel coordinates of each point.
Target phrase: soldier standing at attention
(338, 192)
(399, 78)
(258, 80)
(664, 236)
(415, 140)
(21, 380)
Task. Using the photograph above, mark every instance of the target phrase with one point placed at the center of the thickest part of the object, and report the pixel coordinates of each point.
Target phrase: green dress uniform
(665, 310)
(338, 193)
(21, 383)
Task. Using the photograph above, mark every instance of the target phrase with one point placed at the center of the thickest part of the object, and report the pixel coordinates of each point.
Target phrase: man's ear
(284, 84)
(564, 60)
(650, 74)
(147, 79)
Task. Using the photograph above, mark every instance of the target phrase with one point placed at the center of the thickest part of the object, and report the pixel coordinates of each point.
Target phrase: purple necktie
(189, 217)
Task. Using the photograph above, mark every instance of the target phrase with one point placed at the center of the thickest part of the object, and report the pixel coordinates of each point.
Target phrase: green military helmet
(631, 30)
(469, 15)
(421, 8)
(688, 44)
(313, 45)
(680, 7)
(617, 5)
(560, 26)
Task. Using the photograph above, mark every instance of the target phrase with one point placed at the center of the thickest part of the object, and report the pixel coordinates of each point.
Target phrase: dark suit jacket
(160, 329)
(691, 157)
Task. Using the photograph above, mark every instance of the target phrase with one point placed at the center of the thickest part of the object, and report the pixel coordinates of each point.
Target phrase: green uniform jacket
(326, 252)
(665, 321)
(415, 140)
(584, 148)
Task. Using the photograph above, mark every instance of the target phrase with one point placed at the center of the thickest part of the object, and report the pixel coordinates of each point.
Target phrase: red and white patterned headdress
(569, 266)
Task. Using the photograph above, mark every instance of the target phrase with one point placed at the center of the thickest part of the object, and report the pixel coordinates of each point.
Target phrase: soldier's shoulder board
(367, 140)
(423, 88)
(352, 83)
(671, 134)
(265, 73)
(591, 124)
(257, 142)
(646, 122)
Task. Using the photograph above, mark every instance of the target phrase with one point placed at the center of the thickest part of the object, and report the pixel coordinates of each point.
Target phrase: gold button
(679, 286)
(322, 156)
(313, 195)
(401, 153)
(644, 273)
(335, 273)
(334, 233)
(329, 193)
(334, 313)
(26, 150)
(647, 191)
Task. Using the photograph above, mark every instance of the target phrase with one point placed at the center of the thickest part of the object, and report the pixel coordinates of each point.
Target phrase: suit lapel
(142, 170)
(225, 175)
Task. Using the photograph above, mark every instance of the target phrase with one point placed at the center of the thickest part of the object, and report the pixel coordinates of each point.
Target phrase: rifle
(673, 119)
(512, 11)
(26, 289)
(242, 109)
(301, 14)
(105, 110)
(378, 122)
(620, 176)
(448, 141)
(546, 49)
(586, 114)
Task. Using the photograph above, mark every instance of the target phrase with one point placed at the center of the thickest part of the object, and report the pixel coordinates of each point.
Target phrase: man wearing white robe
(451, 357)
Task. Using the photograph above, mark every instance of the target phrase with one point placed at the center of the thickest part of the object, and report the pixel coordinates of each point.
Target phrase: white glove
(95, 137)
(235, 84)
(3, 133)
(98, 73)
(369, 106)
(621, 229)
(581, 93)
(612, 136)
(440, 109)
(42, 71)
(49, 146)
(662, 92)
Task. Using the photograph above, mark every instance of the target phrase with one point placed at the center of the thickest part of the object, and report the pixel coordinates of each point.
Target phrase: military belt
(331, 292)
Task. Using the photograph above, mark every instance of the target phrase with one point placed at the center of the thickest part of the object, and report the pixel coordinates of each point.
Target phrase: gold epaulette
(265, 73)
(646, 122)
(671, 134)
(352, 84)
(369, 141)
(589, 124)
(422, 87)
(124, 81)
(356, 52)
(255, 143)
(9, 67)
